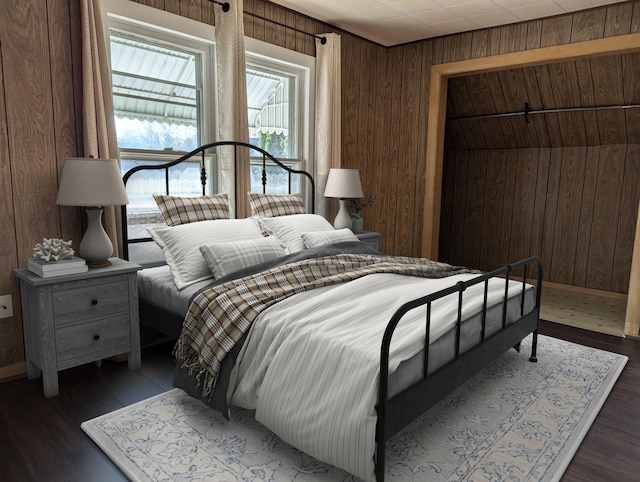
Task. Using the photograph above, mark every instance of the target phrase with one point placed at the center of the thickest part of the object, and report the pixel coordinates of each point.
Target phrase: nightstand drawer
(89, 341)
(90, 299)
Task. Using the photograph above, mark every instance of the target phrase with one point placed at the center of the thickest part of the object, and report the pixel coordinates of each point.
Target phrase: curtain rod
(226, 7)
(527, 112)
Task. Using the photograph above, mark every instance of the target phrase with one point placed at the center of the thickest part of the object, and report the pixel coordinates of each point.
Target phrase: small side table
(370, 237)
(80, 318)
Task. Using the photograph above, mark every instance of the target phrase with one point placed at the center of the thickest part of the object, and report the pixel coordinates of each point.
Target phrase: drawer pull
(96, 337)
(94, 302)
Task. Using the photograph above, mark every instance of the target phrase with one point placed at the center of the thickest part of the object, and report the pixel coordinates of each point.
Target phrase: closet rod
(226, 7)
(526, 112)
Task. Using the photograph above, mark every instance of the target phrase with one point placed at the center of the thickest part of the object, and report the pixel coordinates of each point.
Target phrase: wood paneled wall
(384, 102)
(574, 207)
(39, 41)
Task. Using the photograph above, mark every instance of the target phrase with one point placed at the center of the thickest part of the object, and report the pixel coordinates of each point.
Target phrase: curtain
(99, 134)
(328, 116)
(233, 119)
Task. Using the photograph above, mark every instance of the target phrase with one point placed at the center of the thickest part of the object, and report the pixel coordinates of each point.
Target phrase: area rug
(516, 421)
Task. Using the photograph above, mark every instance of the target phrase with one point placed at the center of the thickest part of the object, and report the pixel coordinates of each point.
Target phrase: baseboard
(11, 372)
(586, 291)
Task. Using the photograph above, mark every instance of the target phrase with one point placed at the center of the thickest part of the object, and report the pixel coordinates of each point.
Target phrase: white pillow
(180, 245)
(318, 238)
(289, 229)
(226, 258)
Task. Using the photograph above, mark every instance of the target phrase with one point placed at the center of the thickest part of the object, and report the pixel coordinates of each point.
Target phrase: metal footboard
(396, 413)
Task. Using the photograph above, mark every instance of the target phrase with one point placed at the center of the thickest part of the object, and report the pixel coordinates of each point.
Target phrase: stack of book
(63, 267)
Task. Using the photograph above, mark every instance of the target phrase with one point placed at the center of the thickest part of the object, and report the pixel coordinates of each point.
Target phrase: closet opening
(560, 184)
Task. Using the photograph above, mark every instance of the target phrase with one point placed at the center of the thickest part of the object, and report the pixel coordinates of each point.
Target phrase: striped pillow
(181, 245)
(183, 210)
(272, 205)
(289, 229)
(227, 258)
(318, 238)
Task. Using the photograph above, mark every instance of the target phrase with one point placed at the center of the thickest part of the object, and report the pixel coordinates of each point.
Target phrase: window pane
(153, 135)
(155, 95)
(277, 179)
(271, 100)
(142, 211)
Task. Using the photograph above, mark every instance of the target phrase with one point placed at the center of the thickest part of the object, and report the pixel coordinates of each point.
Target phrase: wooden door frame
(440, 75)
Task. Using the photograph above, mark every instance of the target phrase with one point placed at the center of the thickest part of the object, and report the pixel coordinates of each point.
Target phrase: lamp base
(342, 220)
(96, 247)
(98, 264)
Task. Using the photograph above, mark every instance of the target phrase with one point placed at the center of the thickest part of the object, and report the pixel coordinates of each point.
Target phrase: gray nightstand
(79, 318)
(370, 237)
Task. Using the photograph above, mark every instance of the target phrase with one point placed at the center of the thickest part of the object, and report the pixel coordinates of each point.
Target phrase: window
(160, 83)
(163, 82)
(275, 93)
(157, 105)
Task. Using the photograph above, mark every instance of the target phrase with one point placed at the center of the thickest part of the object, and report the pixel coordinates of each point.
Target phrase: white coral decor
(53, 250)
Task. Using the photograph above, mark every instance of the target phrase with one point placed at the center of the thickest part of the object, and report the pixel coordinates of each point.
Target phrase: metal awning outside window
(155, 83)
(268, 101)
(152, 82)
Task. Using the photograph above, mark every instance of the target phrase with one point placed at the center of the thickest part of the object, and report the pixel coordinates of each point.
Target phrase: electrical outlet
(6, 306)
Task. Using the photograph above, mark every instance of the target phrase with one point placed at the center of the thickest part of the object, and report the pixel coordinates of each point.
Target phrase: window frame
(303, 66)
(132, 25)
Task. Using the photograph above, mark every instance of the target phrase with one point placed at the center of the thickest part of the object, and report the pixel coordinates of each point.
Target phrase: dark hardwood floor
(41, 439)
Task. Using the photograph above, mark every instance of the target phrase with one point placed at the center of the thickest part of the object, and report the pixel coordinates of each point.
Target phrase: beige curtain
(328, 117)
(99, 135)
(233, 119)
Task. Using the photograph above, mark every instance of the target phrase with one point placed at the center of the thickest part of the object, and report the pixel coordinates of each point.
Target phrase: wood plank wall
(384, 102)
(574, 207)
(39, 127)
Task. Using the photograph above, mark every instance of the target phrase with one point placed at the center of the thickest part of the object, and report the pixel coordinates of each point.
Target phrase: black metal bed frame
(399, 411)
(203, 178)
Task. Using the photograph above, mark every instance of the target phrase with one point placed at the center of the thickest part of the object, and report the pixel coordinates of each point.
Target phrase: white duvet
(310, 364)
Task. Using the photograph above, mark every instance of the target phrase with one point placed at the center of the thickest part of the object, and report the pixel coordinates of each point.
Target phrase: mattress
(442, 350)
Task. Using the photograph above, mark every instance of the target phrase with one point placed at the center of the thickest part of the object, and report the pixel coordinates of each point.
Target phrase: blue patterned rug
(515, 421)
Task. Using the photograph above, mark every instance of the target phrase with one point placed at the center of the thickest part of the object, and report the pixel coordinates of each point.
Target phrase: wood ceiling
(592, 84)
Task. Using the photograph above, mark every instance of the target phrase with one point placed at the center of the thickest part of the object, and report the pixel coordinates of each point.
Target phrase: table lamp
(343, 184)
(92, 183)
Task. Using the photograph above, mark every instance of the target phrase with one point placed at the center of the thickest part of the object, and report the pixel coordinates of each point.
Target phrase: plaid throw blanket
(219, 316)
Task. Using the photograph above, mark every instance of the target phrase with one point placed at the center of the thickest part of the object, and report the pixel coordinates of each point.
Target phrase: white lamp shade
(343, 183)
(91, 182)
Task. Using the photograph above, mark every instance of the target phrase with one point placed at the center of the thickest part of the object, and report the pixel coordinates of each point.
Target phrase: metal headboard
(203, 178)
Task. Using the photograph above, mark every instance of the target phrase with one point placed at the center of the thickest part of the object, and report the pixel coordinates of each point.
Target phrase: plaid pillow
(318, 238)
(183, 210)
(272, 205)
(226, 258)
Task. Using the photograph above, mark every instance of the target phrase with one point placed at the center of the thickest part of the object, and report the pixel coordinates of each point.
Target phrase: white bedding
(310, 364)
(156, 286)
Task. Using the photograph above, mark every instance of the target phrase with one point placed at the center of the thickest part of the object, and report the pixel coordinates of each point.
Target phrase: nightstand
(79, 318)
(370, 237)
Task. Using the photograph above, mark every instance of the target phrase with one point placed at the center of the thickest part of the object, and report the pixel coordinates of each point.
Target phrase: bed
(336, 346)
